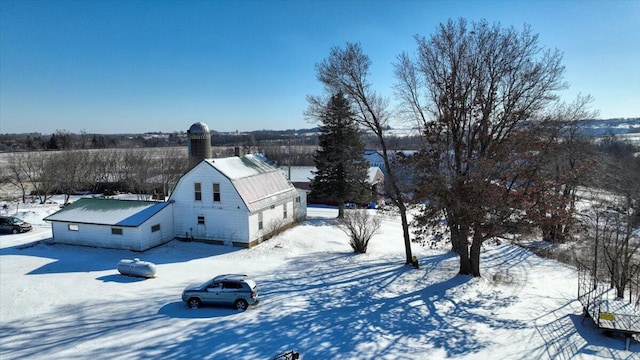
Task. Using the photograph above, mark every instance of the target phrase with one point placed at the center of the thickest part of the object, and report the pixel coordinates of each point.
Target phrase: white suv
(229, 289)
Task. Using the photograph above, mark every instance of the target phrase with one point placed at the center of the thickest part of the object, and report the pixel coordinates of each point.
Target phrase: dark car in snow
(13, 225)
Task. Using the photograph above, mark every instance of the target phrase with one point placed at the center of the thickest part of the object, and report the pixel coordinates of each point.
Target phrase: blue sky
(141, 66)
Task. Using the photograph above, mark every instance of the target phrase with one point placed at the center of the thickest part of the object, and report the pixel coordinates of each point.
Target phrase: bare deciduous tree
(569, 163)
(105, 166)
(70, 171)
(346, 70)
(42, 174)
(617, 230)
(612, 238)
(479, 92)
(15, 174)
(137, 171)
(170, 167)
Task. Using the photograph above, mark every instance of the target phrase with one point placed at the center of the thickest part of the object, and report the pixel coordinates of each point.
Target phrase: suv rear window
(231, 285)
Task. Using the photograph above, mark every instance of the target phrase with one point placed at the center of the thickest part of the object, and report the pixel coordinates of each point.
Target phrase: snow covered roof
(306, 174)
(258, 183)
(374, 175)
(126, 213)
(238, 167)
(302, 173)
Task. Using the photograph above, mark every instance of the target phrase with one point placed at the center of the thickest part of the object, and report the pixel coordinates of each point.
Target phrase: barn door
(201, 228)
(201, 231)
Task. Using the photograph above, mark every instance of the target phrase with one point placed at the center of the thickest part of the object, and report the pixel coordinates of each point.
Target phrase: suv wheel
(14, 231)
(194, 303)
(241, 304)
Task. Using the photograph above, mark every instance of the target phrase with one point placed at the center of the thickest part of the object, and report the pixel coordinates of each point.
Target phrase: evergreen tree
(52, 144)
(30, 143)
(341, 169)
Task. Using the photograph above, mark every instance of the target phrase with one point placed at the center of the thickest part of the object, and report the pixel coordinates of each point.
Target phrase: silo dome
(199, 128)
(199, 143)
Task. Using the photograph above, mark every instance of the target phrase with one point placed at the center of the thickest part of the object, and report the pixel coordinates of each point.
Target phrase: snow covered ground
(317, 297)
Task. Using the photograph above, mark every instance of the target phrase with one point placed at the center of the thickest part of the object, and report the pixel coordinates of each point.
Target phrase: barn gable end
(254, 200)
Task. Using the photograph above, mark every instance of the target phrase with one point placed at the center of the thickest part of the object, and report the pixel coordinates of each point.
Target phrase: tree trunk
(407, 237)
(341, 210)
(23, 190)
(476, 246)
(463, 251)
(396, 195)
(455, 236)
(621, 287)
(559, 233)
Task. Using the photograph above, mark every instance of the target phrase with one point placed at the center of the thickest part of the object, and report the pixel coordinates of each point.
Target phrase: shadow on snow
(179, 309)
(75, 258)
(349, 306)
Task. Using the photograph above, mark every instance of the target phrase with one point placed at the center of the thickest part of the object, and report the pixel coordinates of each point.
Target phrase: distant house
(375, 158)
(375, 177)
(236, 200)
(301, 177)
(119, 224)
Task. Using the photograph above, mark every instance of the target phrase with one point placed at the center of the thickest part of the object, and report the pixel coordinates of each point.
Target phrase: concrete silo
(199, 143)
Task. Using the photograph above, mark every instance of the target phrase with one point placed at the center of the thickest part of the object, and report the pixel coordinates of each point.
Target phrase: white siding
(300, 205)
(148, 238)
(230, 220)
(225, 220)
(272, 218)
(132, 238)
(97, 235)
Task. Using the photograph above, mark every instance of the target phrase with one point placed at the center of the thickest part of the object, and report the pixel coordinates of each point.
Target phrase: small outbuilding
(117, 224)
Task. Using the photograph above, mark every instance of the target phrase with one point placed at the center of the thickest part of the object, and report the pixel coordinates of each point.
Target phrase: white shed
(236, 200)
(118, 224)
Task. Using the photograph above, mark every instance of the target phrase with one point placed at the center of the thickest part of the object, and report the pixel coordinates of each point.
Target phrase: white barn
(236, 200)
(119, 224)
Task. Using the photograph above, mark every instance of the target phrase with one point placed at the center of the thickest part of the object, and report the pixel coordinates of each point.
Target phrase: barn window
(200, 219)
(197, 188)
(116, 231)
(216, 192)
(155, 228)
(73, 227)
(298, 200)
(260, 221)
(284, 211)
